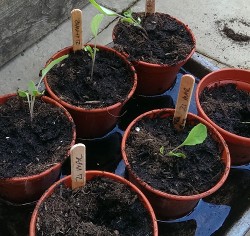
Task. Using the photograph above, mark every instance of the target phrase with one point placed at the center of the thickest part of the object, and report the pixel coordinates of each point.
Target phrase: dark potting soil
(26, 147)
(198, 172)
(111, 83)
(103, 207)
(162, 40)
(228, 107)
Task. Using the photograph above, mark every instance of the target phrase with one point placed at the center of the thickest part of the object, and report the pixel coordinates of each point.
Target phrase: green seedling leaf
(128, 20)
(126, 17)
(89, 50)
(95, 23)
(128, 14)
(52, 64)
(162, 150)
(22, 93)
(196, 136)
(32, 88)
(177, 154)
(102, 9)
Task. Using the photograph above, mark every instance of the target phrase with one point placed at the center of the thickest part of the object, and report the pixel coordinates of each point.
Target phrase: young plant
(31, 95)
(33, 90)
(95, 24)
(126, 17)
(197, 135)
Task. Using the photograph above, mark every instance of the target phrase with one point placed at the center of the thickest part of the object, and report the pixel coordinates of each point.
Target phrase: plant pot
(93, 123)
(155, 78)
(90, 175)
(168, 205)
(238, 145)
(30, 188)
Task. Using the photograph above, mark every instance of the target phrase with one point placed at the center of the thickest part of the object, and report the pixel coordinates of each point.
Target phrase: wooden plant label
(76, 18)
(78, 165)
(150, 7)
(183, 101)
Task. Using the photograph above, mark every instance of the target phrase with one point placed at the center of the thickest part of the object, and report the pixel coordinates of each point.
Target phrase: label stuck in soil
(78, 165)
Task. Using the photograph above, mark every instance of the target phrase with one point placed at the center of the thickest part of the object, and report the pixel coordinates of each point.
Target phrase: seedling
(33, 90)
(197, 135)
(31, 95)
(90, 51)
(126, 17)
(95, 24)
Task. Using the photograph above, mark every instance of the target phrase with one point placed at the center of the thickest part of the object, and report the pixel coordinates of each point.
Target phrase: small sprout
(197, 135)
(162, 150)
(126, 17)
(95, 24)
(33, 90)
(130, 19)
(31, 95)
(90, 51)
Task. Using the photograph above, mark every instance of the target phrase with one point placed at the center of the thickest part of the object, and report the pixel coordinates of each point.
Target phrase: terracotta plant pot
(155, 79)
(93, 123)
(165, 205)
(89, 175)
(30, 188)
(239, 146)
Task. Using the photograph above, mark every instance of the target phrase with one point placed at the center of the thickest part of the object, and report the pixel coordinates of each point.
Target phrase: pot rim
(93, 173)
(56, 165)
(154, 65)
(229, 80)
(94, 110)
(149, 188)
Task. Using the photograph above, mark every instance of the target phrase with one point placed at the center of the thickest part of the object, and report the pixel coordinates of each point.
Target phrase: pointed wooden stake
(78, 165)
(76, 18)
(183, 101)
(150, 7)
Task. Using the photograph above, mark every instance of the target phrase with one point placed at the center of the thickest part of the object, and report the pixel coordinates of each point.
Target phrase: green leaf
(177, 154)
(128, 20)
(52, 64)
(162, 150)
(102, 9)
(128, 14)
(22, 93)
(196, 136)
(32, 88)
(36, 93)
(95, 23)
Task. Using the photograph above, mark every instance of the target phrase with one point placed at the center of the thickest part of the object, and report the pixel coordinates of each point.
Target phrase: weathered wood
(23, 22)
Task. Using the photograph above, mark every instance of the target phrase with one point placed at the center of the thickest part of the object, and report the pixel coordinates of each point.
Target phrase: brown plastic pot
(165, 205)
(89, 175)
(93, 123)
(239, 146)
(30, 188)
(155, 79)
